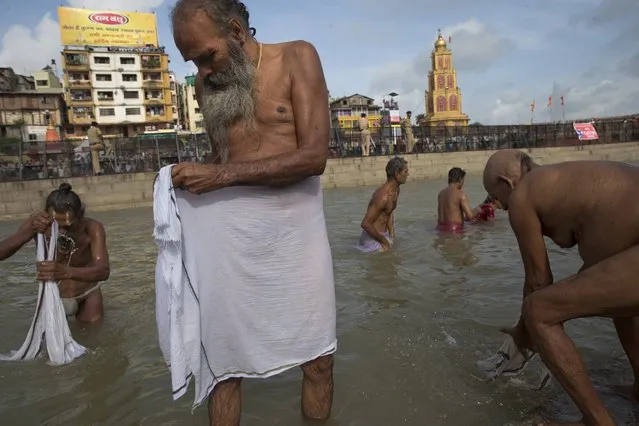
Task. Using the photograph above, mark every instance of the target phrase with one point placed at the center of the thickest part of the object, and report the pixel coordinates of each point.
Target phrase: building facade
(125, 90)
(175, 99)
(346, 111)
(28, 110)
(193, 119)
(443, 99)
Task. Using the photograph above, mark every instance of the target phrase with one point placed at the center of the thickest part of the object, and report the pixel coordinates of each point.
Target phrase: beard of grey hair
(228, 97)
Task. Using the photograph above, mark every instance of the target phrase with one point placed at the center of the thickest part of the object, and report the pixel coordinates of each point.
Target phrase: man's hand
(385, 246)
(199, 178)
(52, 271)
(37, 223)
(520, 336)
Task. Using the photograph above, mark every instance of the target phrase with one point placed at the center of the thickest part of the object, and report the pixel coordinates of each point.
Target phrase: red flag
(562, 101)
(549, 101)
(532, 106)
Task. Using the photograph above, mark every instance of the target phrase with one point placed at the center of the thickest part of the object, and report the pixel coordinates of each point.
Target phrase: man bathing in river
(82, 260)
(264, 107)
(452, 203)
(378, 225)
(591, 204)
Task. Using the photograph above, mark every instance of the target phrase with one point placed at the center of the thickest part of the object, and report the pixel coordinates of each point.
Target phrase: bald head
(504, 169)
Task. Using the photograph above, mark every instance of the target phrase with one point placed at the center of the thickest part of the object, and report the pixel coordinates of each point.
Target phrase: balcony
(153, 62)
(81, 119)
(79, 83)
(80, 102)
(76, 61)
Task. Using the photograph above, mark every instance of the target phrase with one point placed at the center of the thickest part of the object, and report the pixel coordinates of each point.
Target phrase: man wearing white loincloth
(264, 106)
(82, 258)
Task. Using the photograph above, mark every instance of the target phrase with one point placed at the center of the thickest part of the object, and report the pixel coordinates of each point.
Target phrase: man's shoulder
(298, 50)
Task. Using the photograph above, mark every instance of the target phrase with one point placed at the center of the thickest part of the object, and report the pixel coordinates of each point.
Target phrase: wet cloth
(368, 244)
(72, 304)
(244, 281)
(49, 322)
(450, 227)
(509, 361)
(486, 212)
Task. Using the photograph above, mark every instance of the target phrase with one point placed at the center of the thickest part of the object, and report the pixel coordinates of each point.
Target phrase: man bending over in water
(572, 203)
(378, 225)
(82, 260)
(264, 107)
(452, 203)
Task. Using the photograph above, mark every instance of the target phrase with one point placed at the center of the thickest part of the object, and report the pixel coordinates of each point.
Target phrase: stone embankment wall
(136, 190)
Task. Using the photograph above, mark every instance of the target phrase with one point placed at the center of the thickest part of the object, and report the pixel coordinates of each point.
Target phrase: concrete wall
(136, 190)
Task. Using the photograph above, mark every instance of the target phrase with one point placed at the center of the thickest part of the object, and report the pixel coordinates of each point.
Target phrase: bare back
(592, 204)
(276, 131)
(450, 206)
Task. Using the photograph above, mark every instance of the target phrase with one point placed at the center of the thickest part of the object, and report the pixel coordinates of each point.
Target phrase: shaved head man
(591, 204)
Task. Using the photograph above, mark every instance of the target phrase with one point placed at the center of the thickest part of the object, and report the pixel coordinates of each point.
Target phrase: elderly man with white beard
(264, 106)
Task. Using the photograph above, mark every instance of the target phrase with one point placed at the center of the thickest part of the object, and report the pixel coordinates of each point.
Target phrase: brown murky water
(411, 324)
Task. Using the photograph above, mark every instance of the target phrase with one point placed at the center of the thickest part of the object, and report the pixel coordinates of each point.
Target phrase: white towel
(510, 361)
(49, 322)
(244, 282)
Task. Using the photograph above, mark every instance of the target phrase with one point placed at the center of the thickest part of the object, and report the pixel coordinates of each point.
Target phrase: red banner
(585, 131)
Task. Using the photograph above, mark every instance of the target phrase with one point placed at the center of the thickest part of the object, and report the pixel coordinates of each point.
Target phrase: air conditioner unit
(120, 69)
(122, 87)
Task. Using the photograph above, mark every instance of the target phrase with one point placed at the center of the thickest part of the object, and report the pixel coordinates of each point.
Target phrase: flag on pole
(450, 39)
(532, 106)
(549, 101)
(562, 100)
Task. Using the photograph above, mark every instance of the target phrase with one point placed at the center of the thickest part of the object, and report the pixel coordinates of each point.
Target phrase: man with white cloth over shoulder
(254, 248)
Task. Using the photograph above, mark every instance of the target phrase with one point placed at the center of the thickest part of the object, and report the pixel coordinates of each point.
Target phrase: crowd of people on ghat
(265, 110)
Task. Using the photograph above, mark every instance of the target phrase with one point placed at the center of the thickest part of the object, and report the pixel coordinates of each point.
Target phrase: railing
(345, 142)
(37, 160)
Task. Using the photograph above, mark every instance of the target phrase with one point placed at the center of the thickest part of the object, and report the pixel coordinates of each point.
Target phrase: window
(105, 96)
(132, 111)
(155, 111)
(131, 94)
(80, 95)
(441, 81)
(127, 61)
(42, 83)
(451, 82)
(103, 77)
(78, 77)
(150, 61)
(453, 103)
(107, 112)
(172, 85)
(33, 137)
(104, 60)
(129, 77)
(197, 110)
(75, 59)
(198, 124)
(173, 110)
(441, 104)
(173, 99)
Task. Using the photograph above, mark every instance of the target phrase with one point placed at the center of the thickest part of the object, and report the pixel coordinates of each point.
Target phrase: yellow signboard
(83, 27)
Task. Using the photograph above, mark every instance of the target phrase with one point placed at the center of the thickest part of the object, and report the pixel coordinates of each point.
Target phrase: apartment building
(125, 90)
(175, 98)
(346, 111)
(28, 108)
(194, 121)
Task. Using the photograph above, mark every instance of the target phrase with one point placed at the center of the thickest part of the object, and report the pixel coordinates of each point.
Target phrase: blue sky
(506, 55)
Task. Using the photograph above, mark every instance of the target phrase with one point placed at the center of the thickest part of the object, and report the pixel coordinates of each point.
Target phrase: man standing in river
(264, 106)
(378, 225)
(591, 204)
(452, 203)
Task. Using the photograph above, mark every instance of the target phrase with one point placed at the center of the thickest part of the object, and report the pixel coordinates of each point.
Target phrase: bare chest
(275, 131)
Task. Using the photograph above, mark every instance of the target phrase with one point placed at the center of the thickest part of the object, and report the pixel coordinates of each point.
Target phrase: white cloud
(27, 50)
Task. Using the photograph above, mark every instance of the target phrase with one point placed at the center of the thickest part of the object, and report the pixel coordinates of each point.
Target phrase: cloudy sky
(506, 55)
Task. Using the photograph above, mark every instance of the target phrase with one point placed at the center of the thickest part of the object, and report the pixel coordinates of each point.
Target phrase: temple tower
(443, 97)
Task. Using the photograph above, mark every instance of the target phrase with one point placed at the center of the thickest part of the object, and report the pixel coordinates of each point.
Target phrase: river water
(411, 324)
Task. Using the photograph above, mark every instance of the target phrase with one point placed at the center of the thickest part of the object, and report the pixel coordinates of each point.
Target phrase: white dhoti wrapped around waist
(248, 289)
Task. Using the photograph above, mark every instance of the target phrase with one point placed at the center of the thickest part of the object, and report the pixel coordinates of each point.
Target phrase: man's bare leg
(225, 403)
(628, 332)
(317, 388)
(607, 289)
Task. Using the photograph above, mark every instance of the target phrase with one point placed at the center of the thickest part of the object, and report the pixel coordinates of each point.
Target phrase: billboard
(585, 131)
(80, 27)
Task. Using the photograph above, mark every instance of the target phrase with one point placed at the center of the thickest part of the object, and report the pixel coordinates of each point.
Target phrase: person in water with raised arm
(82, 259)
